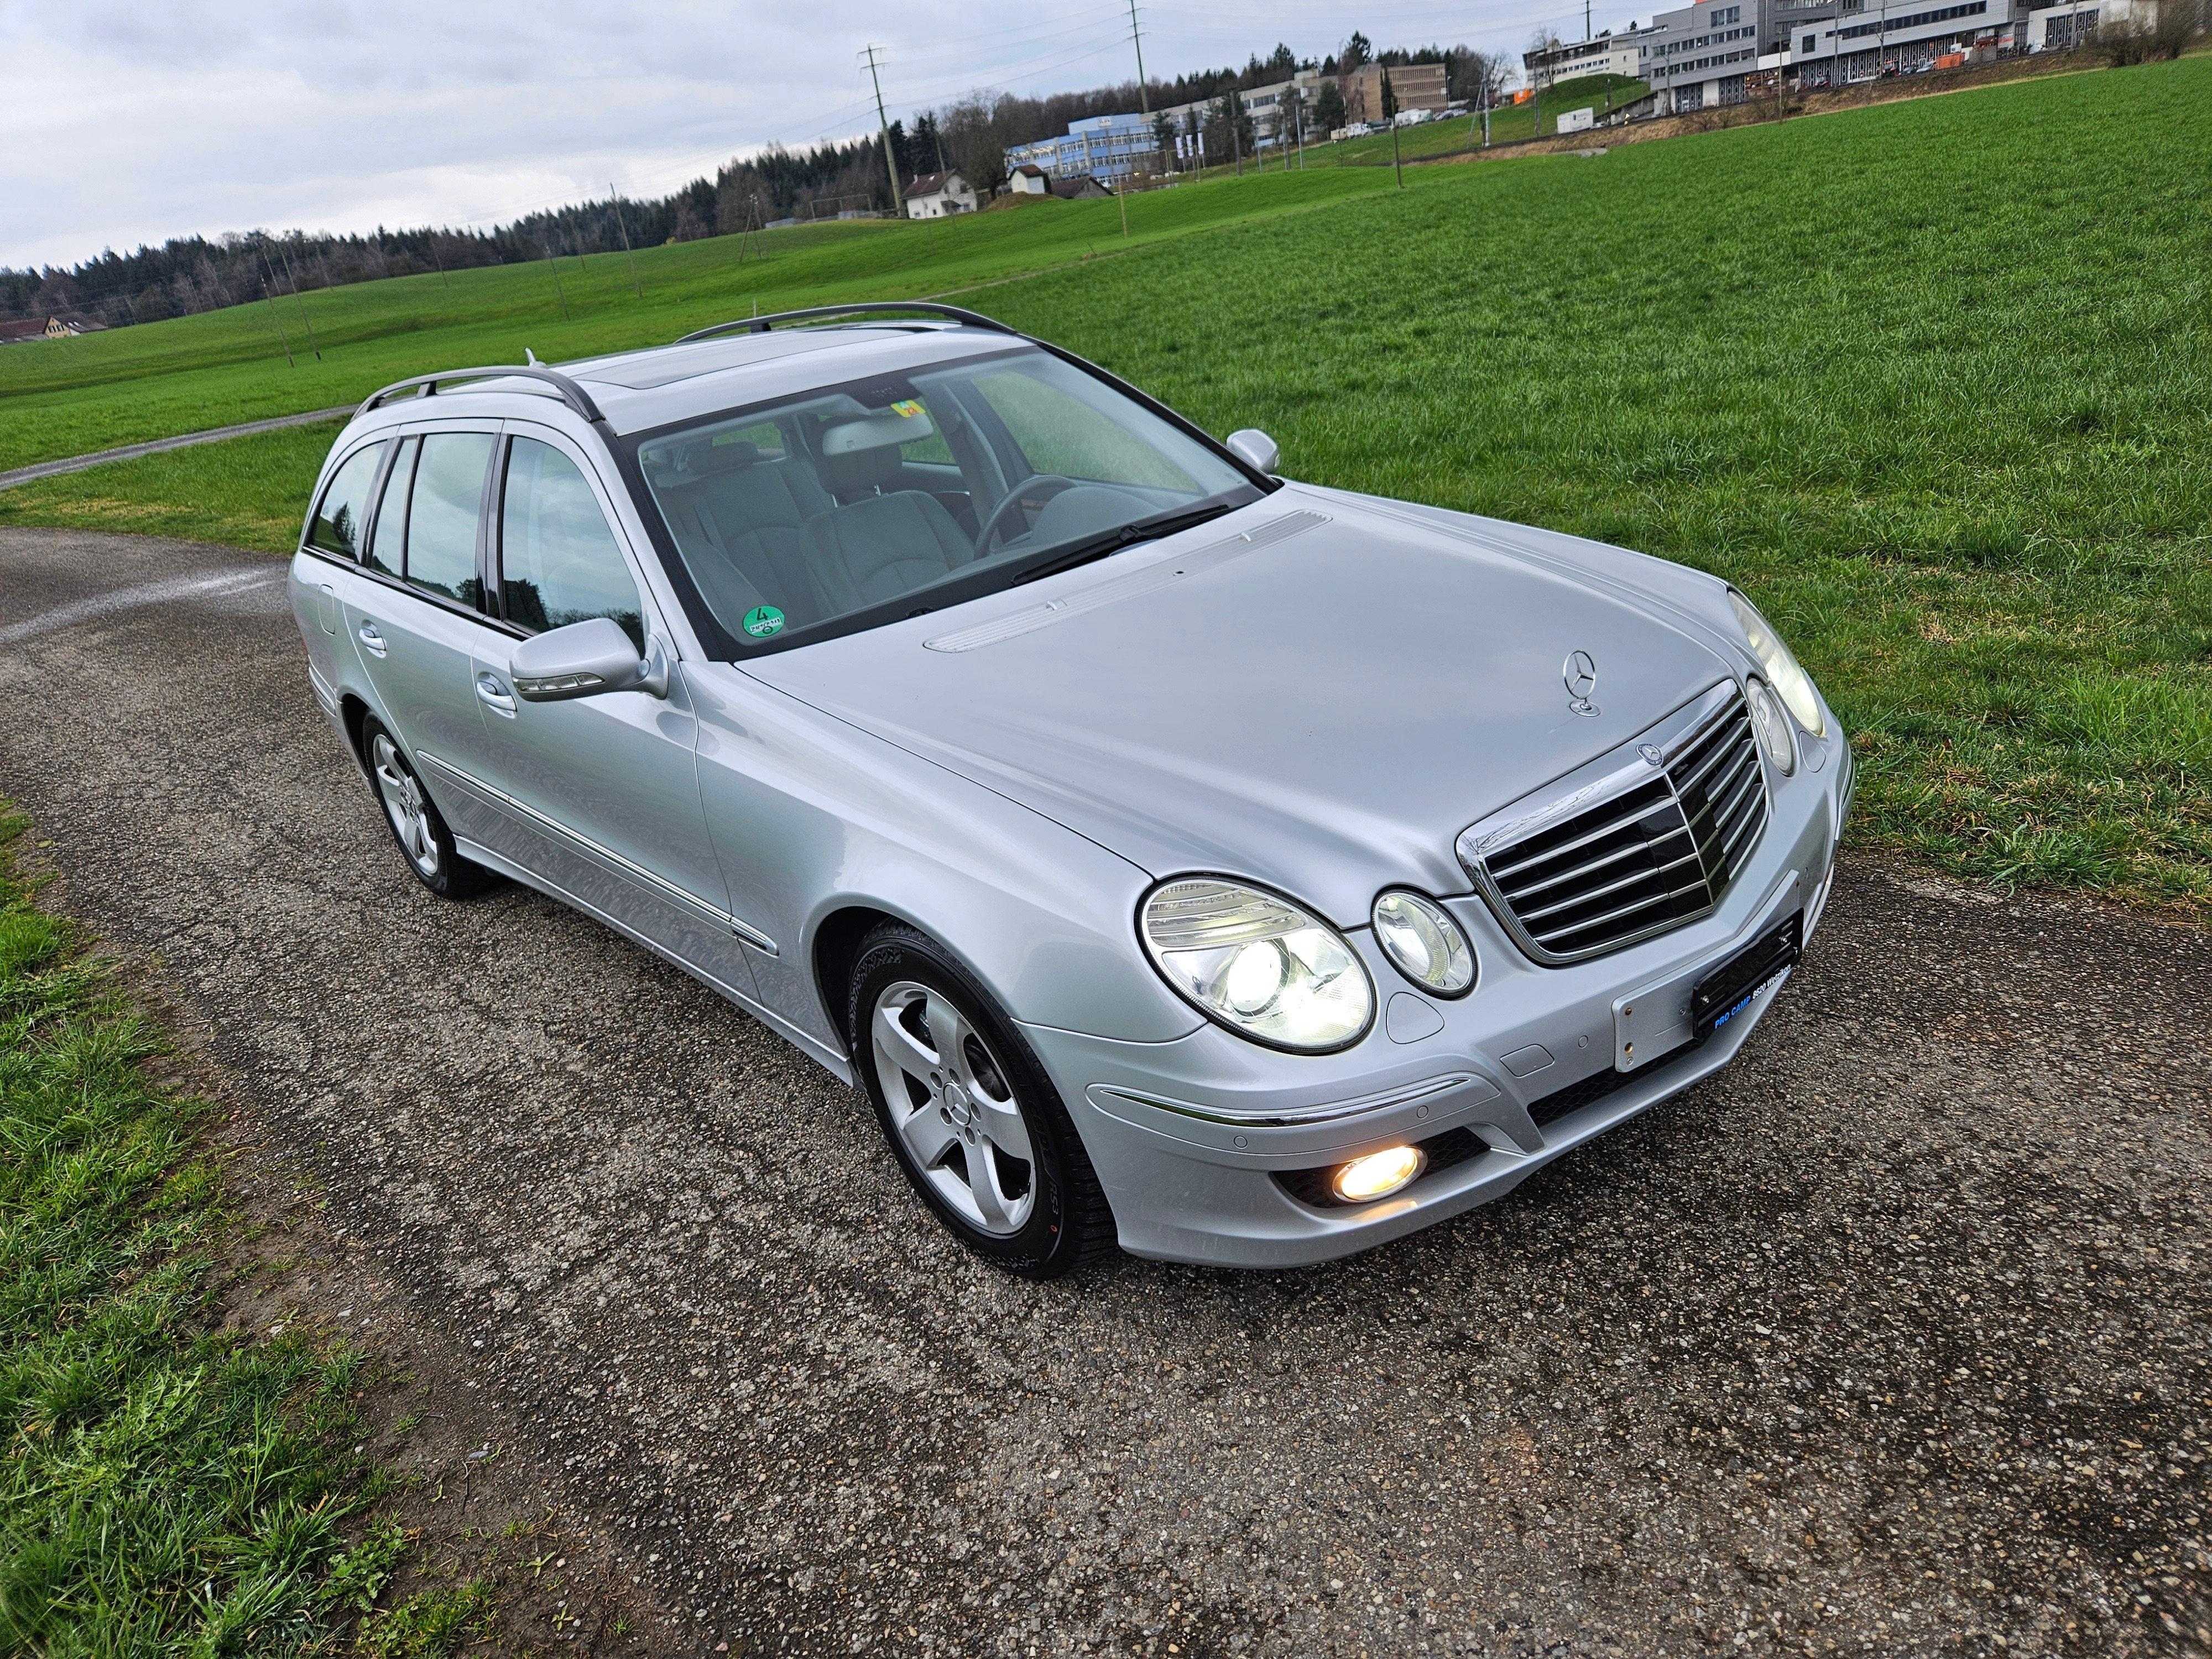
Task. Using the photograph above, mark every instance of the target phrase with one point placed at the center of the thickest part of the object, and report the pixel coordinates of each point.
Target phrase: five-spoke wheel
(416, 822)
(976, 1125)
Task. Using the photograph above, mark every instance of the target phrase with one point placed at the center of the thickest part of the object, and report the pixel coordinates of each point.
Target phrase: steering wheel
(1026, 488)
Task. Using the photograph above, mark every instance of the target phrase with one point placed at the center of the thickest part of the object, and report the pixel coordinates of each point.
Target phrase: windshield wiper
(1143, 529)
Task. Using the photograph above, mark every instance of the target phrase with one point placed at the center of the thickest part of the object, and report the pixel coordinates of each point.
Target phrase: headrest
(675, 464)
(843, 472)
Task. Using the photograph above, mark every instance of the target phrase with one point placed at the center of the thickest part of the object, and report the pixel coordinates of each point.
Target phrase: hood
(1310, 693)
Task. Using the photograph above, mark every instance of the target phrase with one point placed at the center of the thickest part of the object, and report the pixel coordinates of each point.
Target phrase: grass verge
(164, 1489)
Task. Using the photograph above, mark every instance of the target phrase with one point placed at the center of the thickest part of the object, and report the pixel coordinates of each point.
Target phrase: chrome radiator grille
(1652, 854)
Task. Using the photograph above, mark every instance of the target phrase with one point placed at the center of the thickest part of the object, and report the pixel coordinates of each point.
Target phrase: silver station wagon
(1177, 855)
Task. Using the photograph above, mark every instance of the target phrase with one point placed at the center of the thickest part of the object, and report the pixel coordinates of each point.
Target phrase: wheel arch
(836, 947)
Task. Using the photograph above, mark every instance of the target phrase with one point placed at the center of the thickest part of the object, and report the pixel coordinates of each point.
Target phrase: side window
(559, 562)
(386, 544)
(441, 514)
(337, 522)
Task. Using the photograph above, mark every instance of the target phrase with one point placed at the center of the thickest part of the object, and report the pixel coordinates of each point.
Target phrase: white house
(1028, 179)
(935, 195)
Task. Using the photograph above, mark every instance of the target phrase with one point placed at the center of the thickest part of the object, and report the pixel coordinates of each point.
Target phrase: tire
(973, 1120)
(417, 827)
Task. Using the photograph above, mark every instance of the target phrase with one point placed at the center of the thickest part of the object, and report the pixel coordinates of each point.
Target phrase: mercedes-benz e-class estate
(1175, 854)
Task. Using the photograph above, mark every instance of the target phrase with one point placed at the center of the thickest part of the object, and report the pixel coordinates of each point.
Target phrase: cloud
(122, 124)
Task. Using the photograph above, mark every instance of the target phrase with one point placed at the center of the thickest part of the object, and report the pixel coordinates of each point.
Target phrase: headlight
(1259, 964)
(1791, 684)
(1772, 727)
(1426, 943)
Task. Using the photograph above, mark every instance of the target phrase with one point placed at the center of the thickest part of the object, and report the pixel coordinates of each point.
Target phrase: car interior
(864, 495)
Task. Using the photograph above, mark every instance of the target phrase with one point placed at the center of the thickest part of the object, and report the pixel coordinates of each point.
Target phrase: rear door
(414, 609)
(601, 792)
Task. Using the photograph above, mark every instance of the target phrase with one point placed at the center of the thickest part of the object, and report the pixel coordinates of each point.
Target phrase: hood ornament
(1652, 753)
(1580, 673)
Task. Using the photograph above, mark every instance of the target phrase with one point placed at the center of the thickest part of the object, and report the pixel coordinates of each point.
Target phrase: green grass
(99, 391)
(1939, 398)
(163, 1490)
(247, 493)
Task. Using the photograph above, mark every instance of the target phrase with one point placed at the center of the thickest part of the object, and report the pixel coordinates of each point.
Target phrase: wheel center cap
(957, 1103)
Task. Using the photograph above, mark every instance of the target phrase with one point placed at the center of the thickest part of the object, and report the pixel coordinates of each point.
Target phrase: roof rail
(571, 394)
(760, 324)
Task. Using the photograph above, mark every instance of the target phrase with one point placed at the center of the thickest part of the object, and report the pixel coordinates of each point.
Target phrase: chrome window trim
(744, 930)
(1614, 774)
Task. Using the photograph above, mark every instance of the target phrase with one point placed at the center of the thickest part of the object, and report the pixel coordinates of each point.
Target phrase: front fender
(815, 820)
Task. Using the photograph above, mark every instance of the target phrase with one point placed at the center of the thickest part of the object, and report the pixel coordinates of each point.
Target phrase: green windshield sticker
(763, 620)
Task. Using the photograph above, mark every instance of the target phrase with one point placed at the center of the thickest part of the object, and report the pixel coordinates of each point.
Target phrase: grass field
(1933, 380)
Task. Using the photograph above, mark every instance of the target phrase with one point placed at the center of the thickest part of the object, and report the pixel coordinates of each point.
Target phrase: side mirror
(1255, 449)
(584, 659)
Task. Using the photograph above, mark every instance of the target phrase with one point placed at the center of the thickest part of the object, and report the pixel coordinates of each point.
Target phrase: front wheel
(975, 1124)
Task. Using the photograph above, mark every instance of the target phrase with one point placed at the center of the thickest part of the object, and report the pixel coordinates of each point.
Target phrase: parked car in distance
(1176, 856)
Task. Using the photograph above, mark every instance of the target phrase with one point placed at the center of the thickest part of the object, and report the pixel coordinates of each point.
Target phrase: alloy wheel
(952, 1108)
(405, 804)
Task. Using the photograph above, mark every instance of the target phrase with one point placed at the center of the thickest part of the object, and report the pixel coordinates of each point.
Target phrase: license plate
(1727, 991)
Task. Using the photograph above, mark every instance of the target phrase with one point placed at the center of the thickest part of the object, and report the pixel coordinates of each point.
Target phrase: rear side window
(442, 515)
(337, 523)
(559, 562)
(387, 543)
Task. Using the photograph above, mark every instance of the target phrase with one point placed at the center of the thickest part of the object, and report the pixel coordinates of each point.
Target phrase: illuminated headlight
(1772, 727)
(1790, 682)
(1425, 942)
(1258, 963)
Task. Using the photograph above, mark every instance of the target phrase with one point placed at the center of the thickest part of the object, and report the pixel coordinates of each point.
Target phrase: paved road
(1891, 1338)
(23, 475)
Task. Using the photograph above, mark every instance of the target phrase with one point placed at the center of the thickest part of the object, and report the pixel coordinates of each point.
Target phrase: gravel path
(1893, 1338)
(23, 475)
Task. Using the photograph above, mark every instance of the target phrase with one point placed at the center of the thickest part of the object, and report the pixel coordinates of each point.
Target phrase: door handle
(494, 696)
(372, 639)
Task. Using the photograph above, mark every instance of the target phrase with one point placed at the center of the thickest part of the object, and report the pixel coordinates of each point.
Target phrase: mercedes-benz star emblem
(1651, 752)
(1580, 672)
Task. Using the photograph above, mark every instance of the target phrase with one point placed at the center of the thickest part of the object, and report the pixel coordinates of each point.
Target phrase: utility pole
(1144, 97)
(300, 302)
(891, 165)
(615, 196)
(268, 291)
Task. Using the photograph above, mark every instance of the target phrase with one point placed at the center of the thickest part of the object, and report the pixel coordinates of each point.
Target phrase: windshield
(861, 503)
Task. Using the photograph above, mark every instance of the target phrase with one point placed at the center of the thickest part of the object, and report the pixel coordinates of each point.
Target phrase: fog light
(1378, 1175)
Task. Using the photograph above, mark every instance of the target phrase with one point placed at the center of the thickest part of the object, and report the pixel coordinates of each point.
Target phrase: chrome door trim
(744, 930)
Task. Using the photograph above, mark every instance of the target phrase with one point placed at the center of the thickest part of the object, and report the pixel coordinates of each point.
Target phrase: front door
(600, 793)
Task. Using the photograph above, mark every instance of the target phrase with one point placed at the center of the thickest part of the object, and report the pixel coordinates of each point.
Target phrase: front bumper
(1188, 1137)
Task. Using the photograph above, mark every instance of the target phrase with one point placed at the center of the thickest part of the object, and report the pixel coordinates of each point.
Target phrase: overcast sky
(123, 123)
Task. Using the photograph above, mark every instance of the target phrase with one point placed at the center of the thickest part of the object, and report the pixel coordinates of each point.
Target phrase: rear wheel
(975, 1124)
(414, 819)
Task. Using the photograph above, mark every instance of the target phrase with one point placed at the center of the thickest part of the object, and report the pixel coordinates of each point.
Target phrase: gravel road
(1893, 1338)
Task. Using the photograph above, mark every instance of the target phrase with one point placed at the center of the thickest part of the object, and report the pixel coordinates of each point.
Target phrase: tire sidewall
(1049, 1244)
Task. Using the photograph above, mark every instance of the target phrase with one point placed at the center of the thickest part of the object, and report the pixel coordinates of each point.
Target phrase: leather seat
(880, 546)
(729, 508)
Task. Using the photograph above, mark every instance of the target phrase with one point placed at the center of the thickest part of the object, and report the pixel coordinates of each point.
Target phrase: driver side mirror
(1255, 449)
(585, 660)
